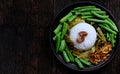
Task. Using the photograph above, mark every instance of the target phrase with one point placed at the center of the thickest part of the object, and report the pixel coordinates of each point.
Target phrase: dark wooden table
(24, 40)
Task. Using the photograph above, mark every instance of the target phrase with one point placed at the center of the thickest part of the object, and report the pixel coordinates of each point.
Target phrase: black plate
(62, 13)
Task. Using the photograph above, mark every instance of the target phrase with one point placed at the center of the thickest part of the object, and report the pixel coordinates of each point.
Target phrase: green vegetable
(79, 63)
(112, 39)
(85, 13)
(88, 9)
(108, 36)
(69, 55)
(113, 24)
(96, 20)
(66, 17)
(101, 12)
(86, 17)
(107, 29)
(98, 15)
(85, 62)
(58, 41)
(89, 13)
(72, 18)
(83, 7)
(66, 57)
(64, 30)
(57, 30)
(101, 34)
(54, 38)
(62, 45)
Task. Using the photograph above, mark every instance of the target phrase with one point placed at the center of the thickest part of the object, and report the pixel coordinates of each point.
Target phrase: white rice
(89, 39)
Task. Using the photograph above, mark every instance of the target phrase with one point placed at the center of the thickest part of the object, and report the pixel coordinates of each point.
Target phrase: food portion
(101, 54)
(85, 36)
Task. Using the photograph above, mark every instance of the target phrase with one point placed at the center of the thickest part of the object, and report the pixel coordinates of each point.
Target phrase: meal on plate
(85, 36)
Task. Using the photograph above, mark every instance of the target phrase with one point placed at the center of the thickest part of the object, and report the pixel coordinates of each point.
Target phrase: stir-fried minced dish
(85, 36)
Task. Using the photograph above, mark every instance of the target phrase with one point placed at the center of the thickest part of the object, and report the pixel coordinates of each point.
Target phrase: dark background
(24, 37)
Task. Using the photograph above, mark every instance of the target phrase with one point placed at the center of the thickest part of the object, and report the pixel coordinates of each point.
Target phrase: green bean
(96, 9)
(108, 36)
(89, 13)
(72, 18)
(86, 17)
(66, 17)
(79, 63)
(64, 30)
(98, 15)
(113, 24)
(100, 12)
(77, 13)
(107, 29)
(82, 13)
(69, 55)
(82, 7)
(85, 62)
(96, 20)
(66, 57)
(57, 30)
(89, 9)
(85, 13)
(62, 45)
(112, 39)
(54, 38)
(58, 41)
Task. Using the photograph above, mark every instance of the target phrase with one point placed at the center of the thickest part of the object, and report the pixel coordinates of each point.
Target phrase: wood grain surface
(24, 40)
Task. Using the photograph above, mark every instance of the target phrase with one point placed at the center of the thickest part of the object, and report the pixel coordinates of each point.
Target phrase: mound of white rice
(89, 40)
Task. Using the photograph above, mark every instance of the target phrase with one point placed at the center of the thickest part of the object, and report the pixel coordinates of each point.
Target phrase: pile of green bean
(89, 14)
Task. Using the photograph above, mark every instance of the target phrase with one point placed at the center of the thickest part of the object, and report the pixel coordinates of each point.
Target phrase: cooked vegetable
(88, 9)
(69, 55)
(62, 45)
(57, 30)
(79, 63)
(84, 55)
(112, 39)
(85, 62)
(66, 57)
(57, 43)
(102, 36)
(83, 14)
(72, 18)
(88, 13)
(101, 12)
(113, 24)
(58, 34)
(85, 17)
(98, 15)
(108, 36)
(65, 18)
(107, 29)
(96, 20)
(83, 7)
(64, 30)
